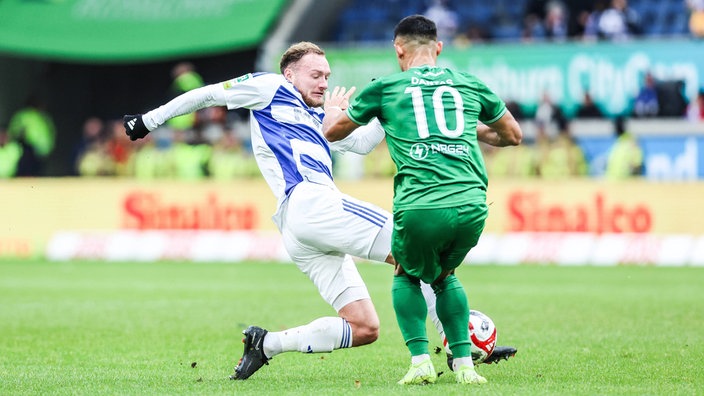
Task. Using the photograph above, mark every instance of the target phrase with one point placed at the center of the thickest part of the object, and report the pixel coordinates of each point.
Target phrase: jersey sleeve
(493, 107)
(196, 99)
(361, 141)
(252, 91)
(367, 104)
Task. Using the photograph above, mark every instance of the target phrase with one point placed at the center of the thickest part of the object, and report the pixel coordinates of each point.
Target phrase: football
(482, 332)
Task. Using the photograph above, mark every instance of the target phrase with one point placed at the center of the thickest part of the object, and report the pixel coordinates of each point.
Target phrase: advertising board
(35, 210)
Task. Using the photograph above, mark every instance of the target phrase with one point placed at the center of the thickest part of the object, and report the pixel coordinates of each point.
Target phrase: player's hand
(134, 126)
(339, 97)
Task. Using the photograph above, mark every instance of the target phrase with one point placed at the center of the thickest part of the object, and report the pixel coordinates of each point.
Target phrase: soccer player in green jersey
(432, 117)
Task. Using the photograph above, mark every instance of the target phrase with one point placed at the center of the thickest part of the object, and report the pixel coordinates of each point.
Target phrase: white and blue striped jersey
(287, 138)
(286, 133)
(316, 220)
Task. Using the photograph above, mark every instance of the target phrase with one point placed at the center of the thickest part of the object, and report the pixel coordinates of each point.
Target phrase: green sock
(453, 311)
(411, 312)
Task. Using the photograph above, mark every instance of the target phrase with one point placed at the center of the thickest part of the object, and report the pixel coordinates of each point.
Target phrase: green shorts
(427, 242)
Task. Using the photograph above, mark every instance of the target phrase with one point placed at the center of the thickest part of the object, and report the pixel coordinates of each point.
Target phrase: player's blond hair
(295, 52)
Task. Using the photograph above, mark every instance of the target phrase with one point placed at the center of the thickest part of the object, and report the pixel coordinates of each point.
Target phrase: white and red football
(482, 332)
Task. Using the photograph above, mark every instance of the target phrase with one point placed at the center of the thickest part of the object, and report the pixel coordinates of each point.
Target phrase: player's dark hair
(416, 27)
(295, 52)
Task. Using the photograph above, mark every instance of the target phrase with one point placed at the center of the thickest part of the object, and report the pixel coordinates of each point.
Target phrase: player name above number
(420, 81)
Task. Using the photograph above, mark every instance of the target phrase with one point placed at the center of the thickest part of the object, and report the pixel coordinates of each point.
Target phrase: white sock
(430, 300)
(419, 358)
(459, 362)
(321, 335)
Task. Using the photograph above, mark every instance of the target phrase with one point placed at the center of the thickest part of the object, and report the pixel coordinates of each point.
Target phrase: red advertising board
(35, 209)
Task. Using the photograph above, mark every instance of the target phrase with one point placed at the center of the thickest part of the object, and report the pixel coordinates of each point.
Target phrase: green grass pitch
(174, 328)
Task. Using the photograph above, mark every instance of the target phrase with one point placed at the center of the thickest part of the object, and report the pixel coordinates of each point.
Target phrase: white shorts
(322, 228)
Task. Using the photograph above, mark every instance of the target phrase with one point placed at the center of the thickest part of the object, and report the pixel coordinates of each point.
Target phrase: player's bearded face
(310, 76)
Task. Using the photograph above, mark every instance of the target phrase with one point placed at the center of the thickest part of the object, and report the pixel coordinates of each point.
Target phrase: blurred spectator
(588, 109)
(473, 35)
(515, 109)
(545, 18)
(564, 158)
(696, 17)
(10, 154)
(578, 12)
(619, 22)
(93, 154)
(541, 145)
(646, 102)
(34, 128)
(511, 162)
(229, 160)
(92, 132)
(118, 147)
(516, 162)
(445, 18)
(547, 113)
(590, 20)
(212, 123)
(625, 158)
(96, 160)
(190, 156)
(556, 20)
(152, 158)
(672, 99)
(533, 17)
(695, 110)
(185, 79)
(105, 150)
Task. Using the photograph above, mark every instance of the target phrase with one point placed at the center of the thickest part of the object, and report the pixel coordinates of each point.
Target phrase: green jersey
(430, 117)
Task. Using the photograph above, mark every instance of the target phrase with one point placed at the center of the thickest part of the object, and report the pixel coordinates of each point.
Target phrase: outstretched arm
(504, 132)
(208, 96)
(138, 126)
(337, 125)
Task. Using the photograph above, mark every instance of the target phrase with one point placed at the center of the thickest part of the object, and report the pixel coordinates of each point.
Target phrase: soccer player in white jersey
(320, 226)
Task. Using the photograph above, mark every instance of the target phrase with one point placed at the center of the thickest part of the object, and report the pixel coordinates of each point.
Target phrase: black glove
(134, 126)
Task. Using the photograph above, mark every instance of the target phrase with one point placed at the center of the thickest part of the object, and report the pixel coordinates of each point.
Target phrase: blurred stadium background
(610, 95)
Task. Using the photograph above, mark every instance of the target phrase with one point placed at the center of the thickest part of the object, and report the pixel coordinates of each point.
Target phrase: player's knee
(363, 320)
(365, 333)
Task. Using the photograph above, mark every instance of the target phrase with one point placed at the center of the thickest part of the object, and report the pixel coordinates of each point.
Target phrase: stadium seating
(373, 20)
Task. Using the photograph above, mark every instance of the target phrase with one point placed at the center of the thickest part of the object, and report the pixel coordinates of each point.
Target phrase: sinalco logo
(419, 151)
